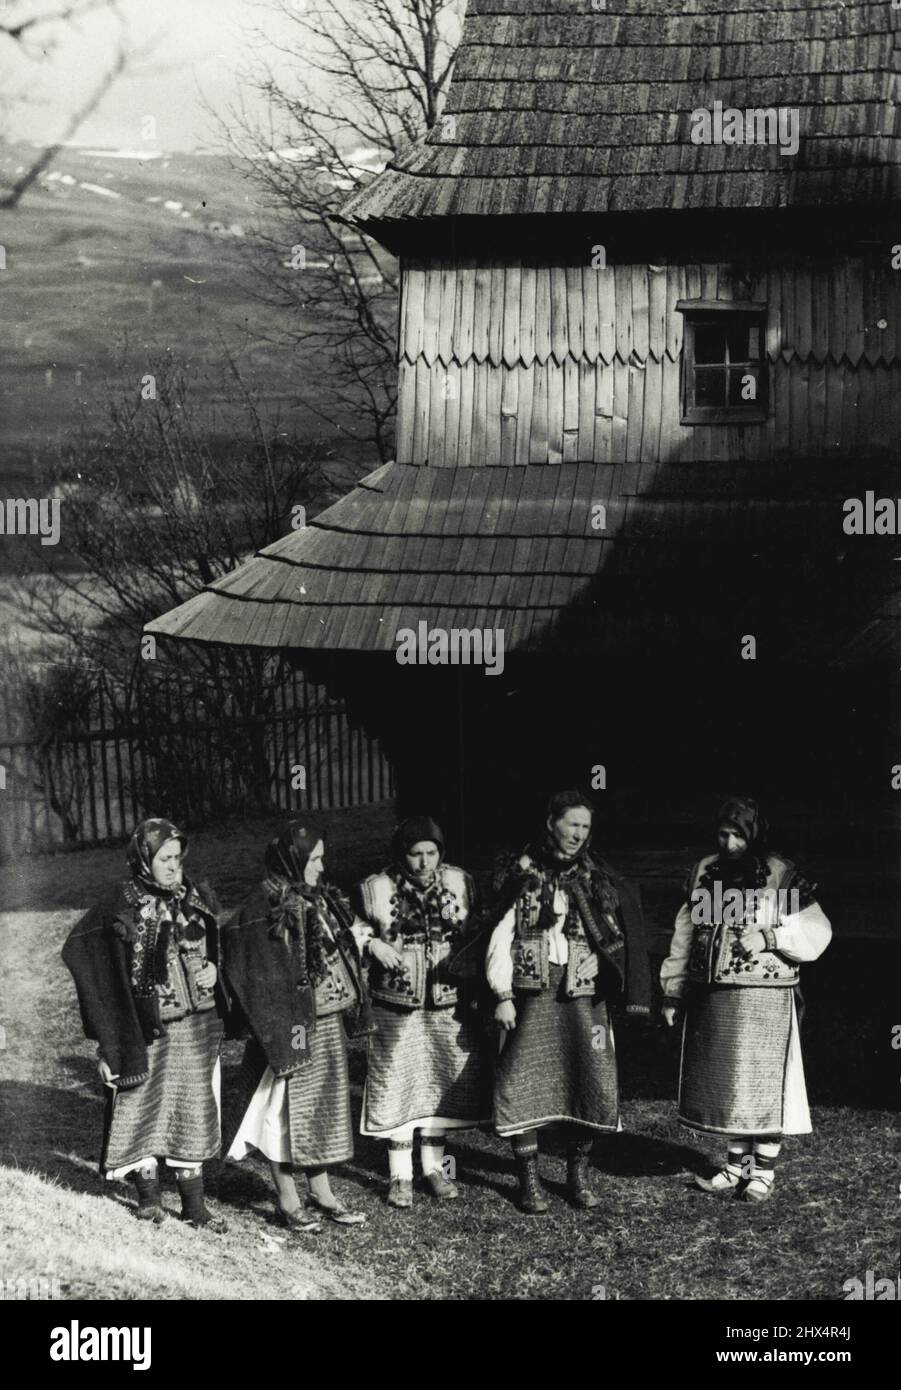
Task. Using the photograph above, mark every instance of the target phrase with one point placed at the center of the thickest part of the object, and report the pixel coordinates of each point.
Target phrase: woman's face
(315, 865)
(423, 859)
(571, 831)
(166, 864)
(733, 844)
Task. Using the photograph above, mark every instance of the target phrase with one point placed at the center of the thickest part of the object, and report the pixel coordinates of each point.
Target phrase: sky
(200, 48)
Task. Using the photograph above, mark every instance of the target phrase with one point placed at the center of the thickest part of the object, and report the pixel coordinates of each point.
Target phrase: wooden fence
(160, 752)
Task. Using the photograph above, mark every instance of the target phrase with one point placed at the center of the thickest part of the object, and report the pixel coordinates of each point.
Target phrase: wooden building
(638, 377)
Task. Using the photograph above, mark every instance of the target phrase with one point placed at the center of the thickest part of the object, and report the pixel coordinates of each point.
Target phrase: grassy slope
(78, 284)
(835, 1214)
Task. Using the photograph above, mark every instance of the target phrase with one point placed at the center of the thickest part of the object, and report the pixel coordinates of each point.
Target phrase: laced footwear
(400, 1193)
(759, 1189)
(531, 1194)
(577, 1189)
(442, 1187)
(726, 1180)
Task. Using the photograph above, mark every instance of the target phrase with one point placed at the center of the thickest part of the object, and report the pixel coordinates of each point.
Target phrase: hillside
(114, 253)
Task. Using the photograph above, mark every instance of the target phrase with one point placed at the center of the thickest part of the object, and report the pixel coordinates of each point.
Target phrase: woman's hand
(208, 976)
(753, 942)
(672, 1012)
(505, 1015)
(106, 1075)
(385, 954)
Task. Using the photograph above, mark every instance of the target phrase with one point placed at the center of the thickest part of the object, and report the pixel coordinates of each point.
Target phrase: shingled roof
(503, 547)
(556, 107)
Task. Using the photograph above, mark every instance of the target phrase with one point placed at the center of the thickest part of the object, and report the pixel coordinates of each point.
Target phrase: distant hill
(117, 247)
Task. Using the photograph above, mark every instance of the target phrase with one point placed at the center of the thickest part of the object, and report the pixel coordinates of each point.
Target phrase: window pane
(744, 387)
(739, 333)
(710, 342)
(754, 343)
(710, 386)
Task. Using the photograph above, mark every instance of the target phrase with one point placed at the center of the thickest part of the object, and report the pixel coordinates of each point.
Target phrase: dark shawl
(97, 953)
(267, 975)
(595, 889)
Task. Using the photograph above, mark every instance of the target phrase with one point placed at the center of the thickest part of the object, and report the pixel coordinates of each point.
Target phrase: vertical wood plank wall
(513, 363)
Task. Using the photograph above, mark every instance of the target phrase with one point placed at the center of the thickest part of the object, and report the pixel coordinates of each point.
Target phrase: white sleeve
(363, 933)
(499, 958)
(804, 935)
(674, 970)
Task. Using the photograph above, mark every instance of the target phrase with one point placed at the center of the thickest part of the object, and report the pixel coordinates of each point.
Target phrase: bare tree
(35, 32)
(163, 503)
(373, 79)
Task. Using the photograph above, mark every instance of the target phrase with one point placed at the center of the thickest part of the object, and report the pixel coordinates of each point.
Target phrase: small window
(724, 376)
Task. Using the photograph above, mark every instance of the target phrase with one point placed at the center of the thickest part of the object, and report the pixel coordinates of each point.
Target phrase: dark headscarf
(744, 815)
(287, 855)
(410, 832)
(145, 843)
(296, 908)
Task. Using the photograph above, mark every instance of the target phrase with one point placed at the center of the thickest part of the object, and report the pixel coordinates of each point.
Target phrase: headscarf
(287, 855)
(146, 842)
(420, 908)
(744, 814)
(298, 910)
(149, 968)
(411, 832)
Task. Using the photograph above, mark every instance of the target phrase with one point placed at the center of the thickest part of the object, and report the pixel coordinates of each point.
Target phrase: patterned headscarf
(298, 912)
(146, 842)
(287, 855)
(744, 815)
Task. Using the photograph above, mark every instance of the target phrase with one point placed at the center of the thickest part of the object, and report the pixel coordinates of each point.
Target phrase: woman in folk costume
(144, 964)
(424, 1068)
(292, 965)
(748, 921)
(570, 938)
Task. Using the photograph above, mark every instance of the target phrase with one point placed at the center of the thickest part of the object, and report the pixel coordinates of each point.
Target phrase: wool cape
(269, 985)
(96, 953)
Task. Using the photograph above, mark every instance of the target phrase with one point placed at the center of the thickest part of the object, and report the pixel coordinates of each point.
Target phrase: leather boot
(579, 1193)
(531, 1195)
(150, 1207)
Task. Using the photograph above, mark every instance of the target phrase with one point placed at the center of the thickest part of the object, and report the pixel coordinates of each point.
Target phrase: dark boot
(578, 1155)
(193, 1207)
(150, 1207)
(531, 1196)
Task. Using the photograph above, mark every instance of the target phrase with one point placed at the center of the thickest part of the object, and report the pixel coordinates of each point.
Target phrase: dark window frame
(714, 313)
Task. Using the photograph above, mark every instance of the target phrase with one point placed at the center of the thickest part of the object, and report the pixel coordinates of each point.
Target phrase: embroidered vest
(531, 952)
(335, 992)
(717, 956)
(424, 978)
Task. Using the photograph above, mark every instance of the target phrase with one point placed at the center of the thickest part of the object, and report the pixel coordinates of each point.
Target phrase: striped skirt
(735, 1052)
(558, 1065)
(303, 1119)
(174, 1114)
(424, 1065)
